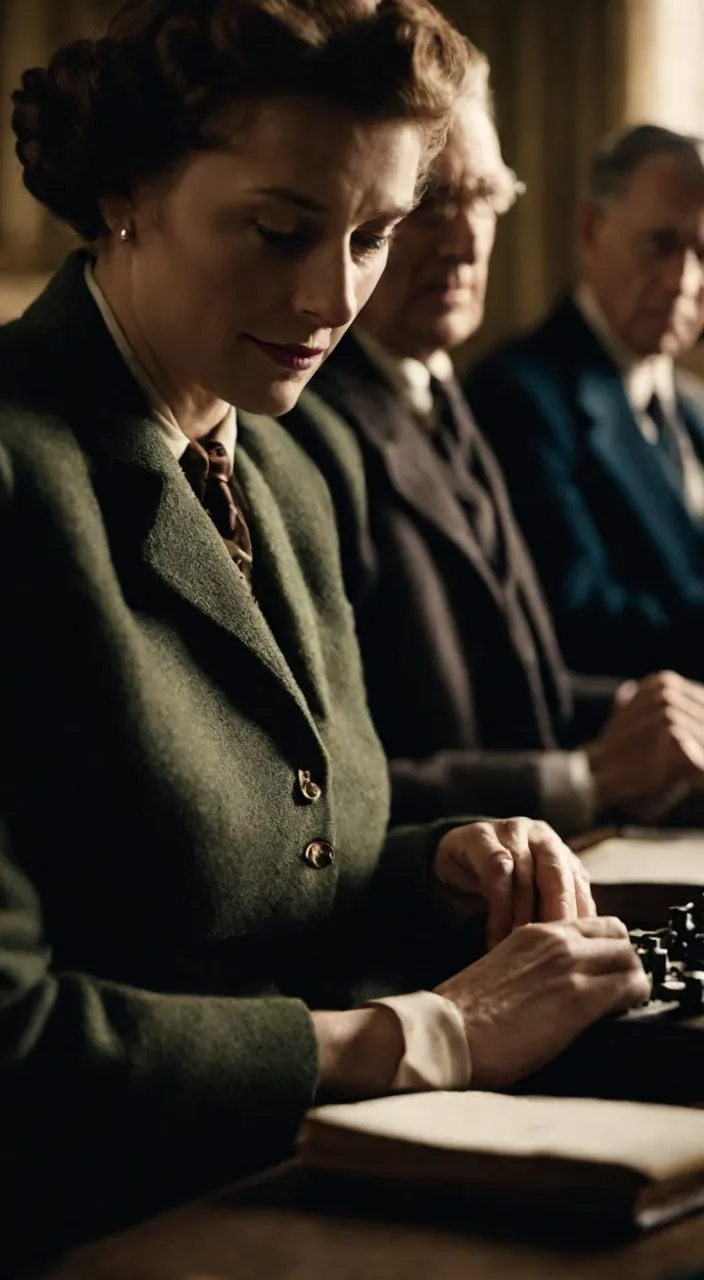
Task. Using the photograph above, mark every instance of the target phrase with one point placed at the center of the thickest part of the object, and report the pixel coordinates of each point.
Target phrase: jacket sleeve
(114, 1096)
(593, 700)
(604, 626)
(103, 1081)
(534, 784)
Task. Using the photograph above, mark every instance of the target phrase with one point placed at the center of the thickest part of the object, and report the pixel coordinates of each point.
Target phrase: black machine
(673, 956)
(654, 1053)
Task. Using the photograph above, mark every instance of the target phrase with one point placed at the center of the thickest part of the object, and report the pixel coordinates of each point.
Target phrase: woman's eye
(280, 239)
(365, 246)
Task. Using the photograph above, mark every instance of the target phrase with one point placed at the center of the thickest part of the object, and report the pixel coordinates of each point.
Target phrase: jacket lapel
(274, 555)
(154, 521)
(615, 438)
(408, 457)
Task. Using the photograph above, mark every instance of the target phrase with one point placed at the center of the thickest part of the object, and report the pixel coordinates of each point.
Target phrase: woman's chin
(274, 399)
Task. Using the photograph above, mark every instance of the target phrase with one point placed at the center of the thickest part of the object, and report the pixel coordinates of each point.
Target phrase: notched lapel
(155, 524)
(414, 469)
(615, 438)
(154, 517)
(294, 622)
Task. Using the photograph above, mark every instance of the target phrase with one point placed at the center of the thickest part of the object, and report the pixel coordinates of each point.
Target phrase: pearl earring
(125, 234)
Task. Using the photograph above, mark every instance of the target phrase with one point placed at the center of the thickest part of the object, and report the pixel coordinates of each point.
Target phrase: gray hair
(622, 153)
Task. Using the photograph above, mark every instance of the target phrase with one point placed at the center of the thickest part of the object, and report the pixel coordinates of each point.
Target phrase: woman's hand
(518, 869)
(524, 1002)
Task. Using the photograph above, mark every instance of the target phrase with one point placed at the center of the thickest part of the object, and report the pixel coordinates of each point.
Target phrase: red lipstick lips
(297, 358)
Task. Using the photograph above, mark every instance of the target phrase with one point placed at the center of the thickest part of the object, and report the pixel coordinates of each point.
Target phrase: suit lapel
(155, 523)
(353, 386)
(616, 440)
(409, 459)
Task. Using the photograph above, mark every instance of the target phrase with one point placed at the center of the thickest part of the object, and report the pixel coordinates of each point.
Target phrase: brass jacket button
(319, 854)
(308, 788)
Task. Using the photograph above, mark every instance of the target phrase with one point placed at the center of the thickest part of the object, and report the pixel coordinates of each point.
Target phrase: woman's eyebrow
(291, 197)
(302, 201)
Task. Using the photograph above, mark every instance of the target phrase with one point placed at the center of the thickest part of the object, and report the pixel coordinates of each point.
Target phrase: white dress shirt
(409, 378)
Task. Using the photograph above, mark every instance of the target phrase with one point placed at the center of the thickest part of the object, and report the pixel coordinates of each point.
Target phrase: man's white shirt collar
(410, 378)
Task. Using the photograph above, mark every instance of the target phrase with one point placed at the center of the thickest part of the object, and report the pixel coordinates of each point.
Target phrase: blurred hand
(650, 754)
(524, 1002)
(517, 869)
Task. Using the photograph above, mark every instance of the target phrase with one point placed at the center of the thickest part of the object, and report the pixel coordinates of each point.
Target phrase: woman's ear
(118, 216)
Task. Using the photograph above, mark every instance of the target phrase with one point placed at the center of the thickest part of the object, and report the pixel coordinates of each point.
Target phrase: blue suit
(620, 558)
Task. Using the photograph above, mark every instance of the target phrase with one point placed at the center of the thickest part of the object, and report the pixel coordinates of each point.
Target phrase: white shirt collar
(642, 378)
(226, 430)
(410, 378)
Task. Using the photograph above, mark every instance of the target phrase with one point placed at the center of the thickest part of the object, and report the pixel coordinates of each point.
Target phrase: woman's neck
(196, 410)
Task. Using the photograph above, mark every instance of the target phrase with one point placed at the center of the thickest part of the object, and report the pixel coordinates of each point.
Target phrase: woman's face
(246, 271)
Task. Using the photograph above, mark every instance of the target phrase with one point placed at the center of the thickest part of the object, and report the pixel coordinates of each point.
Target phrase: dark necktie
(208, 469)
(666, 442)
(454, 440)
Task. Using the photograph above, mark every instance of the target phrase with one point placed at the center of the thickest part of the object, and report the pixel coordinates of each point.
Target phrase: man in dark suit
(466, 682)
(600, 439)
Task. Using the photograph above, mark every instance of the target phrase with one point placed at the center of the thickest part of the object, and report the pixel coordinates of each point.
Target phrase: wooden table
(291, 1226)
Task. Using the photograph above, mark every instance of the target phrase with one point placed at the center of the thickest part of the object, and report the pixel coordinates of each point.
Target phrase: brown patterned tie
(208, 469)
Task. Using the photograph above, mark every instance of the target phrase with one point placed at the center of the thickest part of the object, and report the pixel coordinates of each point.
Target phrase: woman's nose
(327, 292)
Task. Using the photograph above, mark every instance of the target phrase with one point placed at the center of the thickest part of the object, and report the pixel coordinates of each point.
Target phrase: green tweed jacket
(162, 930)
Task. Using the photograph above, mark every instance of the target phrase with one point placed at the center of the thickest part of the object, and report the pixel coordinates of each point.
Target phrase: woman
(195, 800)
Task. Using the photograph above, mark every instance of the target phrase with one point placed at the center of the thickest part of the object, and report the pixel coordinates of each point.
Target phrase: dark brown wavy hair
(109, 114)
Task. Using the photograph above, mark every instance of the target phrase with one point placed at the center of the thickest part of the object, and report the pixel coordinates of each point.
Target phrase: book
(628, 1162)
(641, 872)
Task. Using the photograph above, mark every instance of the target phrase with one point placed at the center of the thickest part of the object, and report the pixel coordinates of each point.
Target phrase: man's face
(643, 256)
(433, 291)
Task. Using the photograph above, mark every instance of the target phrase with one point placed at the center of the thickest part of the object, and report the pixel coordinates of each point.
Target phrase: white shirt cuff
(436, 1054)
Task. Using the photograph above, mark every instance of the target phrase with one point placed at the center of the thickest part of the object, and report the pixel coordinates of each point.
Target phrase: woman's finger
(586, 905)
(513, 834)
(554, 874)
(493, 864)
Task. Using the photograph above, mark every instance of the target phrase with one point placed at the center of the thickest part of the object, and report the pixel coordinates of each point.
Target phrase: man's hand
(529, 998)
(651, 752)
(518, 869)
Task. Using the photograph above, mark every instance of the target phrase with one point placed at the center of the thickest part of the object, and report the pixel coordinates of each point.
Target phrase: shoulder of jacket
(331, 445)
(37, 447)
(529, 364)
(528, 345)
